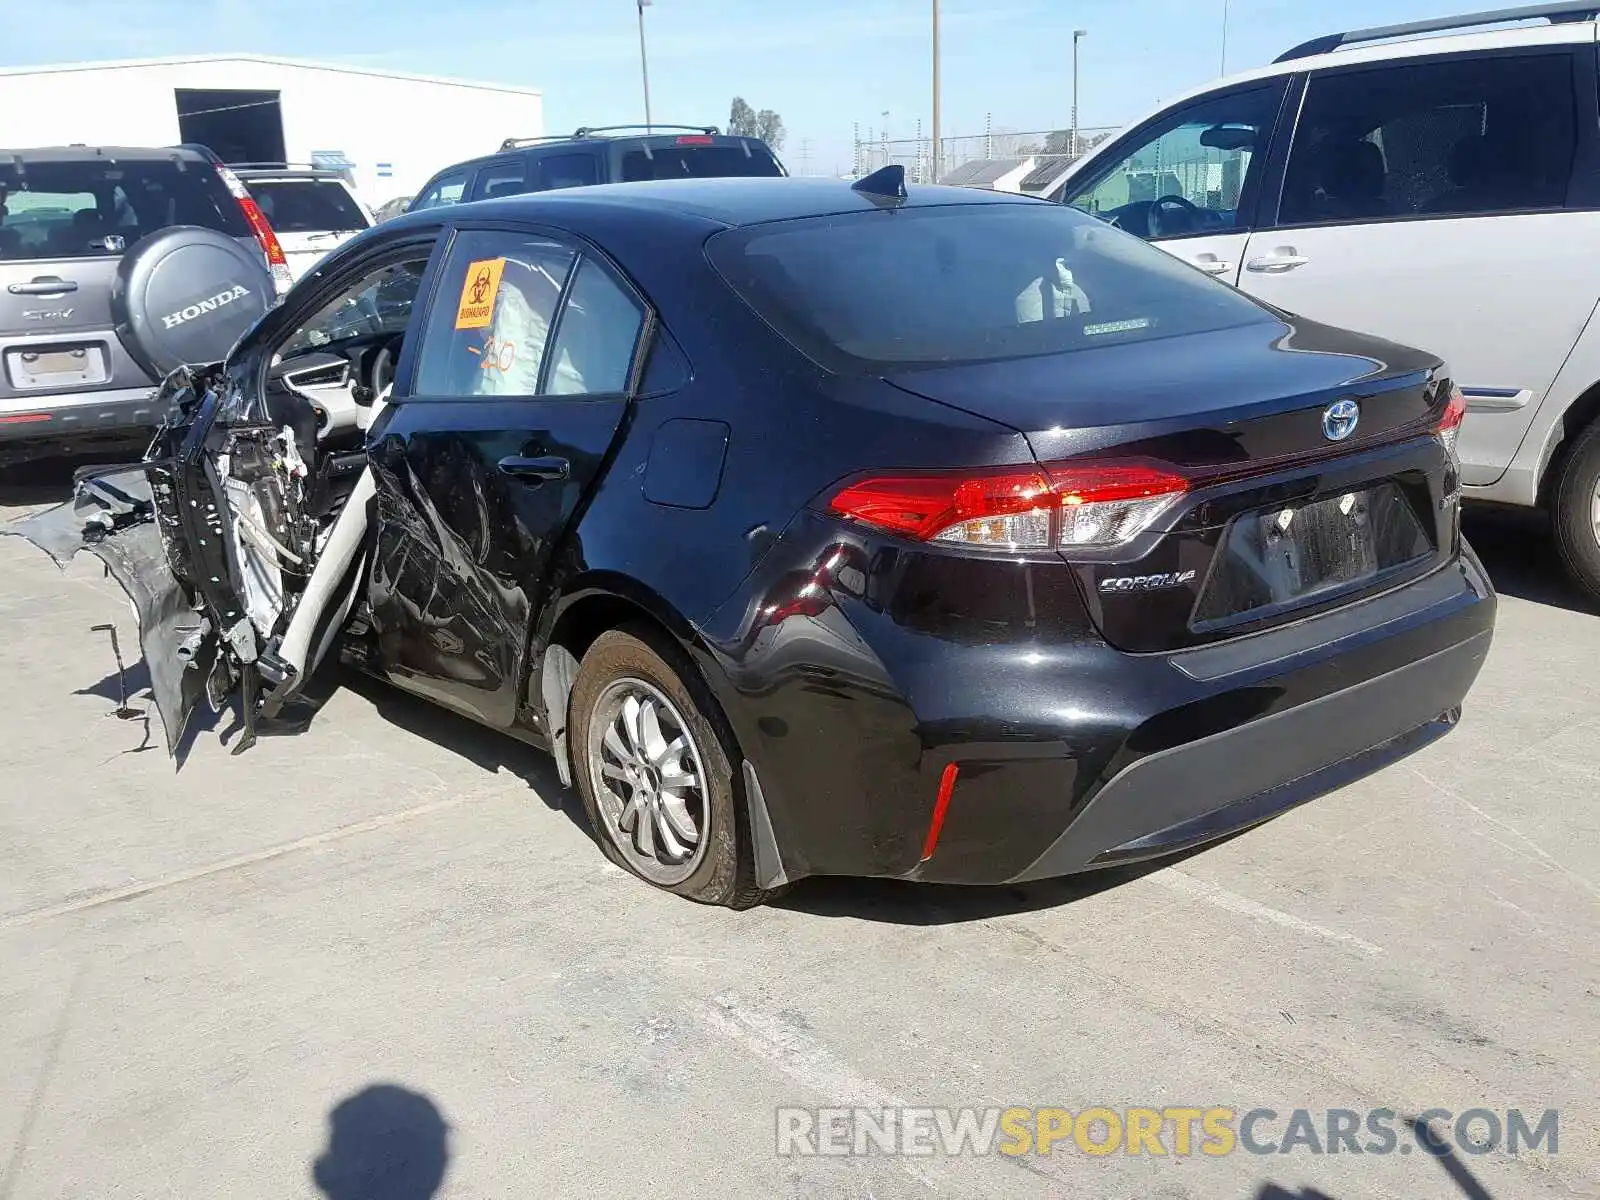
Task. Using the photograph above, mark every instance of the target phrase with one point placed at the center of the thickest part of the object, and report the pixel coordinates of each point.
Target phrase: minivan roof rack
(1556, 14)
(588, 131)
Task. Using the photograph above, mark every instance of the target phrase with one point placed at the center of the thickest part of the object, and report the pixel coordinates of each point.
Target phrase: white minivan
(1436, 183)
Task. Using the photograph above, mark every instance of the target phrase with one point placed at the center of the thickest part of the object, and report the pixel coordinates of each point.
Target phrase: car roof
(536, 147)
(1466, 40)
(43, 154)
(729, 201)
(1461, 41)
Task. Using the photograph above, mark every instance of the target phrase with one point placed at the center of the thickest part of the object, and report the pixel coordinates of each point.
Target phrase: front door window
(1189, 173)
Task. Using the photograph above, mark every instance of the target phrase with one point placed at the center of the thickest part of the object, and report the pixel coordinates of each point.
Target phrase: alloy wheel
(649, 781)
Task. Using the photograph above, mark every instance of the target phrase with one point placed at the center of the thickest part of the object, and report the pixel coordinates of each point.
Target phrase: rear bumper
(1070, 754)
(1204, 790)
(124, 412)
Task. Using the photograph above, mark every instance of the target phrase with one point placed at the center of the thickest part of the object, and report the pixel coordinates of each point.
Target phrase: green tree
(744, 121)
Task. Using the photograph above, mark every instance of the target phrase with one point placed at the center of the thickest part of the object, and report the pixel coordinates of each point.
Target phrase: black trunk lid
(1282, 519)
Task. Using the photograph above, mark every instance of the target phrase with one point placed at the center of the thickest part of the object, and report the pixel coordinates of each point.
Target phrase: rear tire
(654, 762)
(1576, 512)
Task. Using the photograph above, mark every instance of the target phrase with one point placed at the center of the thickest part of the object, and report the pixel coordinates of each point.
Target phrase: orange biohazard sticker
(478, 291)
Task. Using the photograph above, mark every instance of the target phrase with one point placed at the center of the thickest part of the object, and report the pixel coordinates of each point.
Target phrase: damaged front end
(232, 542)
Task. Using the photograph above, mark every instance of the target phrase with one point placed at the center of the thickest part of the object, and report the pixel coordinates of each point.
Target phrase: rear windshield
(307, 205)
(966, 283)
(100, 207)
(673, 161)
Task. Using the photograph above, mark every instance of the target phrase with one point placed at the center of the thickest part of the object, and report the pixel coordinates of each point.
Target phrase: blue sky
(822, 64)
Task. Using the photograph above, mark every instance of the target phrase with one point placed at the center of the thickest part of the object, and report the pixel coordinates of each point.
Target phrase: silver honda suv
(97, 246)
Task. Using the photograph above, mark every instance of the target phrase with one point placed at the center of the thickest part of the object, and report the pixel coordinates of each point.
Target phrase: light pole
(1224, 37)
(644, 61)
(937, 145)
(1077, 36)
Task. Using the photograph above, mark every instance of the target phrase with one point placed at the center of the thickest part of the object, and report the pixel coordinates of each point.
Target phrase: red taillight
(1450, 420)
(24, 419)
(695, 139)
(921, 506)
(263, 231)
(257, 220)
(1070, 504)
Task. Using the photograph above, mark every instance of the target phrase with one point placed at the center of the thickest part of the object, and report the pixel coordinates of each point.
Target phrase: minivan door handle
(543, 470)
(1282, 259)
(1212, 265)
(43, 285)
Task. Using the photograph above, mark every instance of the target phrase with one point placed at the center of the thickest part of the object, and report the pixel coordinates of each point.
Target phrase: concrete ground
(197, 967)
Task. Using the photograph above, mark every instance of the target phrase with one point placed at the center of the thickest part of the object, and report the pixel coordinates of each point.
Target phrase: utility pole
(1077, 36)
(938, 146)
(886, 139)
(1224, 37)
(805, 156)
(644, 62)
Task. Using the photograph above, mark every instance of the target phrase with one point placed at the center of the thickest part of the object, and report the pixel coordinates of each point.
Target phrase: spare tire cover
(185, 295)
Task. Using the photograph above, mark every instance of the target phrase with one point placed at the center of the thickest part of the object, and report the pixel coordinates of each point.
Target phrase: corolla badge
(1339, 420)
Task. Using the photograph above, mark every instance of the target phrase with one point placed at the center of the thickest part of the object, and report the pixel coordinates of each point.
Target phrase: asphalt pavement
(383, 958)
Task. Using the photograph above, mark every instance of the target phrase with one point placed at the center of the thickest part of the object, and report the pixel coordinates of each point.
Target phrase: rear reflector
(1068, 505)
(24, 419)
(941, 803)
(695, 139)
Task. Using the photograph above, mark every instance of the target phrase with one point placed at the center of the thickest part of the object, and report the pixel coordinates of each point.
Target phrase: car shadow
(900, 902)
(49, 481)
(487, 748)
(1520, 555)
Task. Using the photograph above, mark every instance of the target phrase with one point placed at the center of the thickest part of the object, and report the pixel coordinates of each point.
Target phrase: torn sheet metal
(112, 516)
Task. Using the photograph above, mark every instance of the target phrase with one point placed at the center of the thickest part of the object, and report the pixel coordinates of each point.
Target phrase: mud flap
(112, 516)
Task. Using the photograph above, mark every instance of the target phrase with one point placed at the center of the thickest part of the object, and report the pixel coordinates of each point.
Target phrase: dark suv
(116, 265)
(603, 154)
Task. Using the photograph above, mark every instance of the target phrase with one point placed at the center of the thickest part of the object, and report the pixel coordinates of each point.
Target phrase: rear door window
(492, 312)
(499, 179)
(99, 207)
(673, 160)
(1446, 138)
(307, 205)
(596, 337)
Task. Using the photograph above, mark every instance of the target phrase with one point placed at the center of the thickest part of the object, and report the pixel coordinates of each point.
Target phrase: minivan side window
(499, 179)
(492, 312)
(1435, 139)
(568, 170)
(1189, 173)
(445, 190)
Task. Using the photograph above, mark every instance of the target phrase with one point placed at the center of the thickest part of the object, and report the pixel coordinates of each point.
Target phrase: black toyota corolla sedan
(818, 528)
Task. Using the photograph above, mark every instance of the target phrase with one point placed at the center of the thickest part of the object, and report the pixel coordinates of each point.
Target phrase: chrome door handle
(1276, 262)
(1213, 266)
(44, 285)
(541, 470)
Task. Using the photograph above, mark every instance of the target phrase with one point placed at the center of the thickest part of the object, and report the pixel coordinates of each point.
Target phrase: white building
(390, 131)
